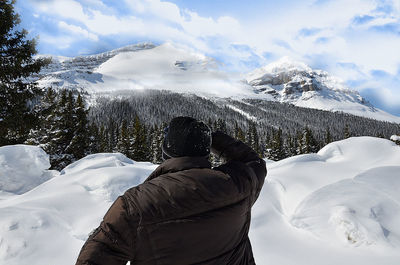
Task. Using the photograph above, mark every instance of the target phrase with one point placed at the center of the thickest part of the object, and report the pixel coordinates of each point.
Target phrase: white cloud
(78, 30)
(62, 8)
(111, 25)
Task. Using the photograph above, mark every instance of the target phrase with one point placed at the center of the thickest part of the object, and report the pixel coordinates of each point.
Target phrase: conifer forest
(134, 124)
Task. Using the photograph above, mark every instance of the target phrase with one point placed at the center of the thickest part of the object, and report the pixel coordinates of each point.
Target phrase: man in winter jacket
(185, 212)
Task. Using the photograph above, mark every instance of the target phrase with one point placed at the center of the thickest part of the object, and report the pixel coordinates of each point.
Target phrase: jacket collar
(176, 164)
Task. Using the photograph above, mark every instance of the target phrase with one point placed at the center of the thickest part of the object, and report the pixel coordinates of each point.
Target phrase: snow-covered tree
(44, 111)
(156, 143)
(276, 149)
(307, 142)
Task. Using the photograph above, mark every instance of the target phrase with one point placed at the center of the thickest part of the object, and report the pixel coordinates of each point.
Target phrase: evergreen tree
(156, 144)
(276, 150)
(328, 136)
(44, 111)
(221, 126)
(104, 146)
(380, 135)
(252, 137)
(124, 143)
(267, 146)
(238, 133)
(139, 147)
(63, 131)
(308, 142)
(79, 144)
(346, 131)
(95, 139)
(290, 145)
(16, 65)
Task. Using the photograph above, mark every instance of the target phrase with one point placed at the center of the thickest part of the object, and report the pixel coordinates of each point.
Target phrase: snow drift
(339, 206)
(22, 167)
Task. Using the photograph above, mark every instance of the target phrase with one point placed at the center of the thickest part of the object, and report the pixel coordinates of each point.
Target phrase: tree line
(68, 131)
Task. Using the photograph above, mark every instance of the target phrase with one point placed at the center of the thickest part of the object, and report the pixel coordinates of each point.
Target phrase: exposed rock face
(292, 81)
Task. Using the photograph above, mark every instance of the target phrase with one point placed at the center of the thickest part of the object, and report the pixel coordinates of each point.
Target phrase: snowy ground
(340, 206)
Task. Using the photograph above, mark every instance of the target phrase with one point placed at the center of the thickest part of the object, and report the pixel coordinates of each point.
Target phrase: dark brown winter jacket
(185, 213)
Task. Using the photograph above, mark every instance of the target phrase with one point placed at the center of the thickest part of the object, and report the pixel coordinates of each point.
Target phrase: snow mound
(367, 151)
(360, 211)
(95, 161)
(339, 206)
(59, 214)
(22, 168)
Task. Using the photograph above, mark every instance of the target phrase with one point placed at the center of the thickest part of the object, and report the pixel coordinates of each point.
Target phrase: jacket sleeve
(112, 242)
(232, 151)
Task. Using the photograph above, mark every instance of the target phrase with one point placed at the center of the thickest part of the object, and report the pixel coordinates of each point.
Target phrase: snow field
(340, 206)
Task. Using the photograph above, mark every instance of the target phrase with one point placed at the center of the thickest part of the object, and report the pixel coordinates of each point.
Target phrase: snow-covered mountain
(169, 67)
(296, 83)
(339, 206)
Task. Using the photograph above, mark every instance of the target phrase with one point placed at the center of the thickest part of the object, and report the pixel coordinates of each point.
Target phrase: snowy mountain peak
(296, 83)
(294, 75)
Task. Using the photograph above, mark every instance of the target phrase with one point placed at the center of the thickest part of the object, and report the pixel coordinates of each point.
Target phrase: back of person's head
(185, 136)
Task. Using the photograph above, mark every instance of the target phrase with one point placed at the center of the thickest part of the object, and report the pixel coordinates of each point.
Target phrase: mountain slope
(293, 82)
(168, 67)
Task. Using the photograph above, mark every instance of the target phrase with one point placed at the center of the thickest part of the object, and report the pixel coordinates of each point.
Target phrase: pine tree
(308, 142)
(221, 126)
(276, 151)
(63, 131)
(44, 111)
(238, 133)
(267, 146)
(290, 145)
(139, 147)
(94, 139)
(124, 143)
(252, 137)
(104, 146)
(346, 132)
(156, 144)
(16, 65)
(79, 143)
(328, 136)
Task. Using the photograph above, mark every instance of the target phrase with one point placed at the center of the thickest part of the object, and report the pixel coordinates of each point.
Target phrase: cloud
(78, 30)
(62, 8)
(359, 20)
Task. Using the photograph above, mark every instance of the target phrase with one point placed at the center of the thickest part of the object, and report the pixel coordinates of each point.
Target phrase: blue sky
(355, 40)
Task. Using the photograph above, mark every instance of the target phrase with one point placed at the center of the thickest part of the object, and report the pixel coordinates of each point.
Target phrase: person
(185, 212)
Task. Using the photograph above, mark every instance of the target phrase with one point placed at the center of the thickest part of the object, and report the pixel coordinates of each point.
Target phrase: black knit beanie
(186, 136)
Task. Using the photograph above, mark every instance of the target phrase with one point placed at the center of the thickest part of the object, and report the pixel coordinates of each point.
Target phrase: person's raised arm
(229, 150)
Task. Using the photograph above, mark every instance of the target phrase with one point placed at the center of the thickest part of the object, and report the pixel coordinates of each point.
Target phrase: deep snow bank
(23, 167)
(48, 225)
(340, 206)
